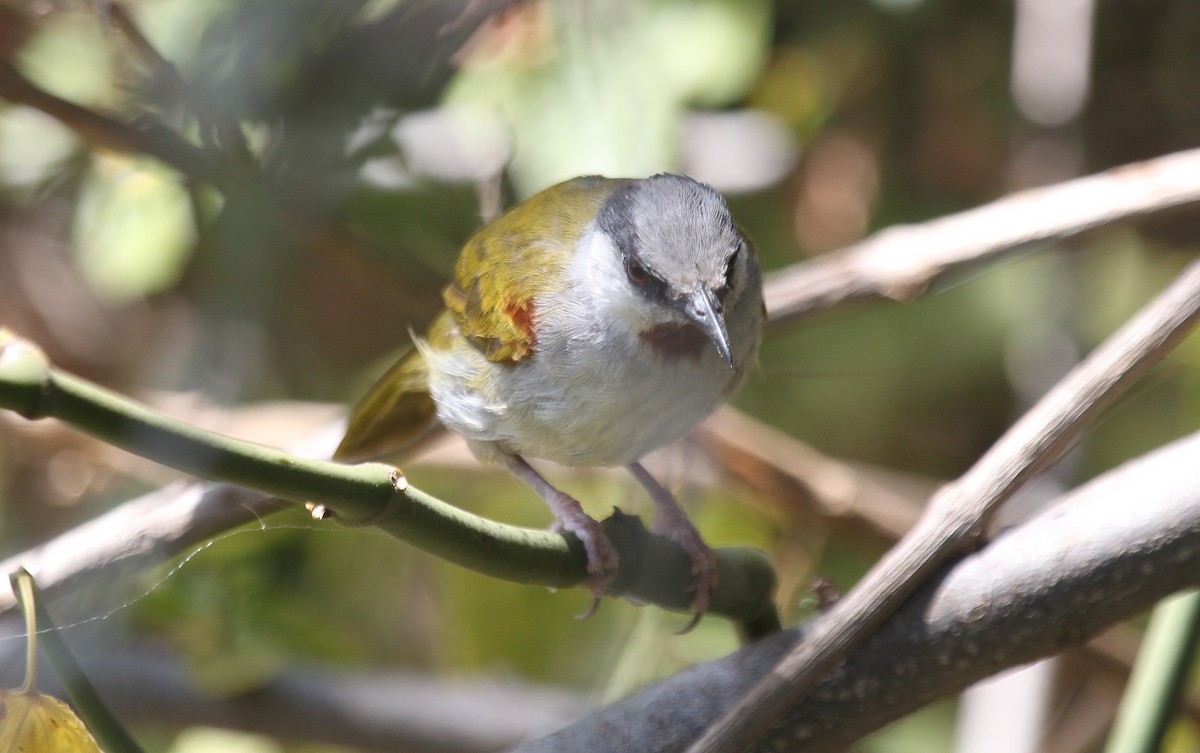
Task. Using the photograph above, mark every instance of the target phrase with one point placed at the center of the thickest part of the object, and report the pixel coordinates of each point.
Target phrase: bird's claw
(704, 571)
(602, 558)
(591, 610)
(692, 623)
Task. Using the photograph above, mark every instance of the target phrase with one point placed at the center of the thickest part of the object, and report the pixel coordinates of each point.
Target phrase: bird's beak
(703, 308)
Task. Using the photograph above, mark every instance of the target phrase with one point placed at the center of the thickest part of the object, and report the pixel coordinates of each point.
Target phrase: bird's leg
(671, 521)
(570, 517)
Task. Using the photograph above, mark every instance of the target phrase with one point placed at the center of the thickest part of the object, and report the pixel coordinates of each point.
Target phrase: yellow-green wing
(492, 303)
(505, 266)
(395, 413)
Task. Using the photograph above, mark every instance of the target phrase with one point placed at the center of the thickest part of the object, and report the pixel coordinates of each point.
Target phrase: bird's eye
(637, 274)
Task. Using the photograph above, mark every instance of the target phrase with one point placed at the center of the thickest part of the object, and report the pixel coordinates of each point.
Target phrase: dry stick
(104, 132)
(901, 262)
(797, 477)
(138, 534)
(957, 516)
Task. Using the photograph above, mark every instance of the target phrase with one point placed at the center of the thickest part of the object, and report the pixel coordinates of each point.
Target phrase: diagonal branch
(1103, 553)
(902, 262)
(957, 516)
(104, 132)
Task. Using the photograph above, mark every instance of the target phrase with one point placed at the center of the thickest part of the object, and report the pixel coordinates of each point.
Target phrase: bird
(592, 323)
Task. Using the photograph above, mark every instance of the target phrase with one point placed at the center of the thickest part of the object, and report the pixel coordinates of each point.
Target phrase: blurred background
(289, 182)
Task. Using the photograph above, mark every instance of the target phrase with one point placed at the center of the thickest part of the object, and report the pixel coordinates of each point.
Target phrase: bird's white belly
(601, 401)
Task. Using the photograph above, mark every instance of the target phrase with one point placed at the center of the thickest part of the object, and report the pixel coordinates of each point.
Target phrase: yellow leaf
(36, 723)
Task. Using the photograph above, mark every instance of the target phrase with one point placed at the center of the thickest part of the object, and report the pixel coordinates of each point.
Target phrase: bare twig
(1101, 554)
(957, 516)
(901, 262)
(138, 534)
(104, 132)
(888, 502)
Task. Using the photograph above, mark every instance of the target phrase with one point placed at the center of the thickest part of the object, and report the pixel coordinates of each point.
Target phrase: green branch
(1155, 686)
(653, 569)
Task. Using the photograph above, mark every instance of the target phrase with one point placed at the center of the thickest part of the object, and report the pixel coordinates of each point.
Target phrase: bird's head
(666, 260)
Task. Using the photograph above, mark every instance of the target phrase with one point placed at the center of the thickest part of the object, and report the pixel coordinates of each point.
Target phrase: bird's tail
(396, 413)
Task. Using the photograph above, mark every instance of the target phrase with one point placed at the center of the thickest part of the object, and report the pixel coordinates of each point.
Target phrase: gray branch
(381, 711)
(1103, 553)
(903, 261)
(957, 516)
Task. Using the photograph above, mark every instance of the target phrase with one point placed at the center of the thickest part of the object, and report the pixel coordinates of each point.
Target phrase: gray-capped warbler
(589, 325)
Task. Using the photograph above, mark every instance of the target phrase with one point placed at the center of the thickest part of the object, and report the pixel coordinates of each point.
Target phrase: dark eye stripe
(731, 269)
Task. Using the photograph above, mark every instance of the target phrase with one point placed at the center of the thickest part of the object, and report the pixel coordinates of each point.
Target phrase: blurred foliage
(134, 229)
(602, 88)
(338, 211)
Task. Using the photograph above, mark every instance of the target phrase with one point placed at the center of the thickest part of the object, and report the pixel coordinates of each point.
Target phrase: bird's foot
(670, 521)
(704, 567)
(602, 559)
(570, 518)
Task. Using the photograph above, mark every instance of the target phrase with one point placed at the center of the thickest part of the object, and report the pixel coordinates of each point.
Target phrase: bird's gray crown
(677, 228)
